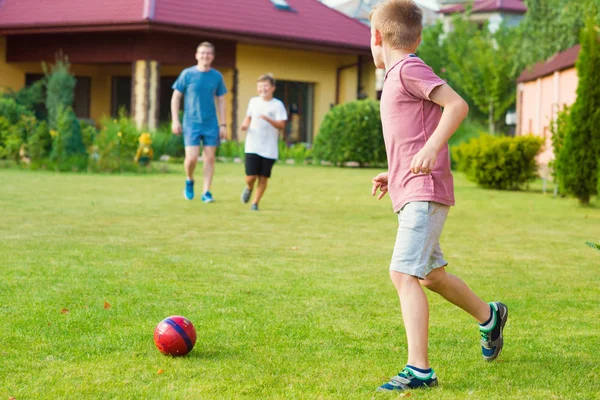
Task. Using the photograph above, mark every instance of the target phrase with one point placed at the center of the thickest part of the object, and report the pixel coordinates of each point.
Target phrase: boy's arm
(455, 111)
(276, 124)
(246, 123)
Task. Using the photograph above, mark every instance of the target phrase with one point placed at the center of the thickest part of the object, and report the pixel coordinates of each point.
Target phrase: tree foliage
(578, 160)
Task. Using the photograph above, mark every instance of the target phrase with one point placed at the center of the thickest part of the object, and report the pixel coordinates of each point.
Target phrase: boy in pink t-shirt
(419, 181)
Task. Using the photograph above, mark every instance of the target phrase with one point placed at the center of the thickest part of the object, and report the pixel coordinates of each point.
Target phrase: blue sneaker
(410, 378)
(492, 340)
(188, 192)
(207, 198)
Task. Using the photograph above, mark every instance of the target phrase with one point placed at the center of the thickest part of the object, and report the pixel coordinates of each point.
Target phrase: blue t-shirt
(199, 90)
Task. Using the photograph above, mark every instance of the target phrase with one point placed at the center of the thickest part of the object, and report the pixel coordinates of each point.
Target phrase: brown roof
(557, 62)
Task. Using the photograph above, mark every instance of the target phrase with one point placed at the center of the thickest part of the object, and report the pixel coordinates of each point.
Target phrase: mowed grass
(293, 302)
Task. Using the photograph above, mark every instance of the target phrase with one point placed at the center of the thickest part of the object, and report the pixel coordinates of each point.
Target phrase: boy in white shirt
(264, 118)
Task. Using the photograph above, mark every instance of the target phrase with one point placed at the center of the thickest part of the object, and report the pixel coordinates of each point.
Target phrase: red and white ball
(175, 336)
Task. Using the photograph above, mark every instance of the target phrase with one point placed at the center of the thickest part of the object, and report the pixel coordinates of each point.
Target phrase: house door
(298, 100)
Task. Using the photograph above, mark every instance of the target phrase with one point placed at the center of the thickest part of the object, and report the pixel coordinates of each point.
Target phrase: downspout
(149, 7)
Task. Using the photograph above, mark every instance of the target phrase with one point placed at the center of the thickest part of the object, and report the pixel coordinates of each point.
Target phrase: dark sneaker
(491, 339)
(408, 379)
(254, 207)
(246, 195)
(188, 192)
(207, 198)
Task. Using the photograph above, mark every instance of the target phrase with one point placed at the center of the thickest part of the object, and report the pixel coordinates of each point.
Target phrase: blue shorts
(195, 133)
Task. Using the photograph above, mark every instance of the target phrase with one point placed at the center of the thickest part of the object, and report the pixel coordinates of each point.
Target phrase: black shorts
(258, 165)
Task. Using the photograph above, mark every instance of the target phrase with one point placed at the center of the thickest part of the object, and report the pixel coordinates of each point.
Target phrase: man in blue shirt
(200, 85)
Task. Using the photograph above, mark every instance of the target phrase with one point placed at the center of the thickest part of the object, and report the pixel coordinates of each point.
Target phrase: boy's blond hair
(268, 77)
(400, 23)
(207, 45)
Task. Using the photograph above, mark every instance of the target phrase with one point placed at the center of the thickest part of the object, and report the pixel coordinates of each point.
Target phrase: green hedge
(498, 162)
(351, 132)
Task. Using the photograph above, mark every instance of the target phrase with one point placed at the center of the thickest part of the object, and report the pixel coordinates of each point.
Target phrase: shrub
(30, 97)
(351, 132)
(68, 150)
(88, 134)
(299, 152)
(579, 156)
(558, 128)
(164, 142)
(232, 149)
(39, 144)
(11, 110)
(14, 135)
(498, 162)
(60, 86)
(115, 145)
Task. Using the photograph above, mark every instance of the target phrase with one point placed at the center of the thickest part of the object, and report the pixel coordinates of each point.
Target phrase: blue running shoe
(207, 198)
(254, 207)
(410, 378)
(188, 192)
(492, 340)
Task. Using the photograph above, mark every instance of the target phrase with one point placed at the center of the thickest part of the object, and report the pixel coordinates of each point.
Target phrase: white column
(145, 98)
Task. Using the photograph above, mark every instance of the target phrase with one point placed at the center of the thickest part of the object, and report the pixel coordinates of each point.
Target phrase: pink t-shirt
(409, 119)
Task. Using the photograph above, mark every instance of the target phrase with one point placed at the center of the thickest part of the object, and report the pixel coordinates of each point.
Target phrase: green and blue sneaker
(410, 378)
(207, 198)
(492, 340)
(188, 192)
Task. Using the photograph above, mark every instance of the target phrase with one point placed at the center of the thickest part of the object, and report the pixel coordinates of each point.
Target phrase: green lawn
(292, 302)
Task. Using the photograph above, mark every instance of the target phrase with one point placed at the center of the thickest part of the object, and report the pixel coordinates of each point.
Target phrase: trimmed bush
(351, 132)
(498, 162)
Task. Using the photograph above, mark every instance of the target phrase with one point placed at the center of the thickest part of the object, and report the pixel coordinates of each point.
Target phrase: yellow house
(127, 53)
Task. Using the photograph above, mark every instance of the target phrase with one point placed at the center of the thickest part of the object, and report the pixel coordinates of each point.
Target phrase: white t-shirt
(262, 137)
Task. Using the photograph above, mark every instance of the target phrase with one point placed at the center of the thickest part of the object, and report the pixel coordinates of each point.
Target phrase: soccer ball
(175, 335)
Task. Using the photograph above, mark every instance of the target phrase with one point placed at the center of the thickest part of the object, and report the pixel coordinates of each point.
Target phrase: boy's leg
(415, 313)
(260, 189)
(266, 165)
(250, 180)
(456, 291)
(491, 317)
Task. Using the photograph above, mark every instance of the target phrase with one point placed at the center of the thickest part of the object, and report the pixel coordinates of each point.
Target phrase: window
(121, 95)
(282, 5)
(81, 95)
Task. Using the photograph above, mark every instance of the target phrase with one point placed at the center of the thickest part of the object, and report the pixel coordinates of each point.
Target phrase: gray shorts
(417, 250)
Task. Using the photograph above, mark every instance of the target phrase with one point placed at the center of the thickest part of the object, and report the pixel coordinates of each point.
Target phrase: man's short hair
(400, 22)
(206, 44)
